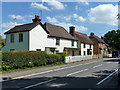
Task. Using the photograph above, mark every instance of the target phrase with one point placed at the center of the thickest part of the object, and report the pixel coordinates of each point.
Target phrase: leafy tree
(113, 39)
(2, 41)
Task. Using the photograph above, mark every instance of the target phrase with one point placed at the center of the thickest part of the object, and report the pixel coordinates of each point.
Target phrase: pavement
(91, 74)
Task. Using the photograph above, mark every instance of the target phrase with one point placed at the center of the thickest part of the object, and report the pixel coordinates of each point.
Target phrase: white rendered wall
(87, 46)
(38, 38)
(51, 42)
(16, 45)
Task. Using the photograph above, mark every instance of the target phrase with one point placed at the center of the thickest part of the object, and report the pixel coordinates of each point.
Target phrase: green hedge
(23, 59)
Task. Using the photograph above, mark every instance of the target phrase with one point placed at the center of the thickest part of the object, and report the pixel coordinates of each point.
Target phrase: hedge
(23, 59)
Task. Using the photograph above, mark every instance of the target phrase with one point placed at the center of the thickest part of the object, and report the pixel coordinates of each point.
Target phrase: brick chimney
(72, 31)
(37, 19)
(91, 34)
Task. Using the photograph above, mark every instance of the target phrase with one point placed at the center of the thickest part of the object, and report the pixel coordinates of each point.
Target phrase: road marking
(107, 77)
(76, 72)
(108, 62)
(37, 84)
(47, 71)
(97, 66)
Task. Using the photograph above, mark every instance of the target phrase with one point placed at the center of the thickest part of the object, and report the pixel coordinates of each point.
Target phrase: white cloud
(67, 25)
(67, 18)
(78, 18)
(18, 17)
(52, 20)
(39, 6)
(75, 15)
(105, 14)
(76, 7)
(56, 4)
(9, 24)
(84, 2)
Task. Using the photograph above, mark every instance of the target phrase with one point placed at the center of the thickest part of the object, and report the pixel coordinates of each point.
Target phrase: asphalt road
(87, 75)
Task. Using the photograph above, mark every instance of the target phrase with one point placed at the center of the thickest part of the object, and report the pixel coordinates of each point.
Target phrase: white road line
(46, 71)
(76, 72)
(108, 62)
(97, 66)
(107, 77)
(38, 84)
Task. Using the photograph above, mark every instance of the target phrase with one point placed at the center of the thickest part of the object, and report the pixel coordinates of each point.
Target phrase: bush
(23, 59)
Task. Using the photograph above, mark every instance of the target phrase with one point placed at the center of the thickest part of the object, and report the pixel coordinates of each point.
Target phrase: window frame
(84, 53)
(12, 38)
(72, 42)
(20, 37)
(90, 46)
(84, 45)
(58, 41)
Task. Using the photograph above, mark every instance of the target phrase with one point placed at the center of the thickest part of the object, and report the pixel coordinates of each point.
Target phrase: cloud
(9, 24)
(39, 6)
(78, 18)
(76, 7)
(84, 2)
(67, 18)
(67, 25)
(52, 20)
(18, 17)
(55, 4)
(105, 14)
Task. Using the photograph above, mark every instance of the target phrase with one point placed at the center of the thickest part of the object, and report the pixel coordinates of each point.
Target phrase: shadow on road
(112, 60)
(64, 82)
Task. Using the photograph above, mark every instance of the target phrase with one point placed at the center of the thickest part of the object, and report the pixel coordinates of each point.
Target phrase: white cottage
(85, 44)
(40, 37)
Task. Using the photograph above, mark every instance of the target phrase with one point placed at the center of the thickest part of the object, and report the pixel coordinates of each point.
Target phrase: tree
(2, 41)
(113, 39)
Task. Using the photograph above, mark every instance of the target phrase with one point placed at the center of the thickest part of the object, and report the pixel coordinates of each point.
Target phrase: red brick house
(99, 47)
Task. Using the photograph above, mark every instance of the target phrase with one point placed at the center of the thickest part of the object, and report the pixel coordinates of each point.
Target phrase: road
(91, 74)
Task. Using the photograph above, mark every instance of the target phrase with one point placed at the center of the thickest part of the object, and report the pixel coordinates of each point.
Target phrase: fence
(69, 59)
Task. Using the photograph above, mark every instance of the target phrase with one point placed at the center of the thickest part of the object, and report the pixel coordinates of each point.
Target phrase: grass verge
(17, 70)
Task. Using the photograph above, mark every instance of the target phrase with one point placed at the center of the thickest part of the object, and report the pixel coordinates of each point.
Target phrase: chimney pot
(37, 19)
(91, 33)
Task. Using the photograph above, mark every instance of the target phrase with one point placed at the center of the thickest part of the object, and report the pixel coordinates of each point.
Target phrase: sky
(87, 17)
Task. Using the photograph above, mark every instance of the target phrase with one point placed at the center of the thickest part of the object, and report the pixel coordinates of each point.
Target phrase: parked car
(115, 53)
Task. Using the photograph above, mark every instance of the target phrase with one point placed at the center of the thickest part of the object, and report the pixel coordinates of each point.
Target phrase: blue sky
(87, 17)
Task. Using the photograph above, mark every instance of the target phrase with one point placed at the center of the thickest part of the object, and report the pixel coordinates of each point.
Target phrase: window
(72, 42)
(57, 41)
(84, 45)
(38, 49)
(90, 45)
(52, 50)
(79, 52)
(84, 53)
(73, 53)
(12, 38)
(21, 37)
(89, 52)
(12, 49)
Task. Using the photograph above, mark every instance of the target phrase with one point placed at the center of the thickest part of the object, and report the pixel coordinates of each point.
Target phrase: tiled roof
(98, 39)
(52, 30)
(83, 38)
(21, 28)
(58, 31)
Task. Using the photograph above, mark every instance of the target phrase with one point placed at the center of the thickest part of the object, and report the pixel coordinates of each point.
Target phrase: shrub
(23, 59)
